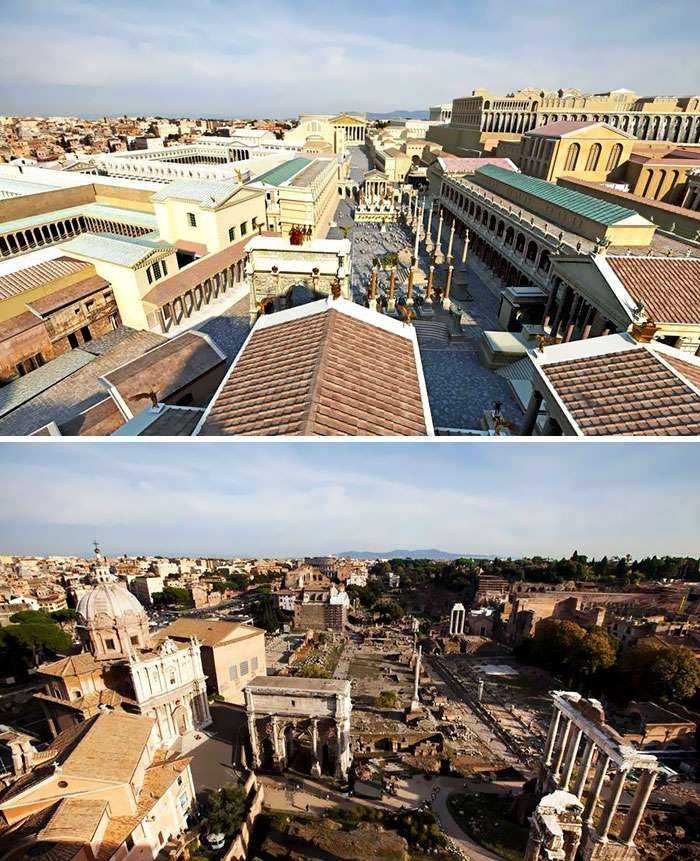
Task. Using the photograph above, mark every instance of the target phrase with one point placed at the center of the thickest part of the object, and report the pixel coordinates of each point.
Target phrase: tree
(173, 596)
(595, 652)
(28, 643)
(386, 700)
(676, 674)
(67, 614)
(224, 810)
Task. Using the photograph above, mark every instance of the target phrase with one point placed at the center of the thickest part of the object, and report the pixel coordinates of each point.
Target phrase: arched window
(593, 157)
(510, 233)
(614, 157)
(572, 157)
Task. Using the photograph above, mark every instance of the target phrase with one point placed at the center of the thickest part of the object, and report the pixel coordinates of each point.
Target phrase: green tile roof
(283, 172)
(581, 204)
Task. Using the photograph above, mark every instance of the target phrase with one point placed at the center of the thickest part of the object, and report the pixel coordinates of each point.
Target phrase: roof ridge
(309, 417)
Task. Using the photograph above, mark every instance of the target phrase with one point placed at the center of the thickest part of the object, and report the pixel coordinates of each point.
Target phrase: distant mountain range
(400, 115)
(432, 553)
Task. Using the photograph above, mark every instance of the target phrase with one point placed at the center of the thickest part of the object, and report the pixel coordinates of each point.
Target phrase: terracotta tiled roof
(208, 631)
(67, 295)
(18, 282)
(111, 749)
(101, 419)
(669, 287)
(165, 369)
(561, 127)
(326, 373)
(197, 272)
(625, 393)
(73, 665)
(690, 372)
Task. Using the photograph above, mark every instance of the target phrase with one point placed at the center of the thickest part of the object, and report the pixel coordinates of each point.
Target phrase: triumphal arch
(299, 722)
(276, 268)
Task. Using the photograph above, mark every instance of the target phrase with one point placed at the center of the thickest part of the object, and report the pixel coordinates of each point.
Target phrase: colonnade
(175, 310)
(502, 237)
(675, 127)
(571, 316)
(29, 238)
(581, 752)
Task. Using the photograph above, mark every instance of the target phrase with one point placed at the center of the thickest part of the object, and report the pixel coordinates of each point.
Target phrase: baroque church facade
(123, 666)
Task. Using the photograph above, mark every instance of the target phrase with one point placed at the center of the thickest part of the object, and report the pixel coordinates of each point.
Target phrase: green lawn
(486, 819)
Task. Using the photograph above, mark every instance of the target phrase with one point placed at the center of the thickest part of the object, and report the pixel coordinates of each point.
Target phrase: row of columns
(20, 241)
(572, 314)
(561, 753)
(676, 128)
(175, 310)
(457, 619)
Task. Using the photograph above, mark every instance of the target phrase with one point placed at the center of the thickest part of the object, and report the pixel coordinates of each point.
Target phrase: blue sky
(297, 499)
(277, 58)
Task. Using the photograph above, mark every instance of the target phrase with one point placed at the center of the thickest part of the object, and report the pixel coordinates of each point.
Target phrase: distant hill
(400, 115)
(411, 554)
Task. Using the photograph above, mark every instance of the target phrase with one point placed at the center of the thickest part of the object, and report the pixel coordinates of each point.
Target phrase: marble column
(594, 793)
(568, 723)
(611, 806)
(551, 735)
(392, 290)
(570, 759)
(409, 286)
(315, 754)
(254, 744)
(448, 284)
(582, 776)
(429, 288)
(639, 803)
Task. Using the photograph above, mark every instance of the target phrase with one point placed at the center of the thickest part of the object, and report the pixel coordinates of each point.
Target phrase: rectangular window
(233, 673)
(254, 664)
(244, 228)
(85, 332)
(231, 234)
(109, 643)
(254, 223)
(244, 668)
(149, 275)
(156, 270)
(192, 220)
(129, 843)
(163, 269)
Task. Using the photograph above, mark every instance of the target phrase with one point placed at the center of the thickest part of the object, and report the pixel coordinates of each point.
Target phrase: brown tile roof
(75, 819)
(111, 749)
(561, 127)
(165, 370)
(15, 283)
(67, 295)
(24, 322)
(669, 287)
(325, 374)
(73, 665)
(690, 372)
(625, 393)
(101, 419)
(208, 631)
(198, 271)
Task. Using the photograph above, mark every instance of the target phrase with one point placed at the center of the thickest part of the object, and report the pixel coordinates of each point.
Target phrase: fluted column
(594, 794)
(574, 742)
(556, 765)
(611, 806)
(588, 752)
(551, 735)
(639, 803)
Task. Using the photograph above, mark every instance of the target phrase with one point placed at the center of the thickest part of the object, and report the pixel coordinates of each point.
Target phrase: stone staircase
(432, 334)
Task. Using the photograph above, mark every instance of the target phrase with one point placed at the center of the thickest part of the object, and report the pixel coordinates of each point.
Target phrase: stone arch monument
(274, 267)
(287, 715)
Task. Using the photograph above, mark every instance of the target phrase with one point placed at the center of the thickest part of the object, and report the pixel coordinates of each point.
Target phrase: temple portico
(582, 752)
(286, 714)
(457, 618)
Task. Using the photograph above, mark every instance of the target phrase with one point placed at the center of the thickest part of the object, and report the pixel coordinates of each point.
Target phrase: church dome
(111, 621)
(108, 601)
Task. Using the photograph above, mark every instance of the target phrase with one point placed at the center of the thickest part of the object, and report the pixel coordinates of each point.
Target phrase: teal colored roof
(581, 204)
(283, 172)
